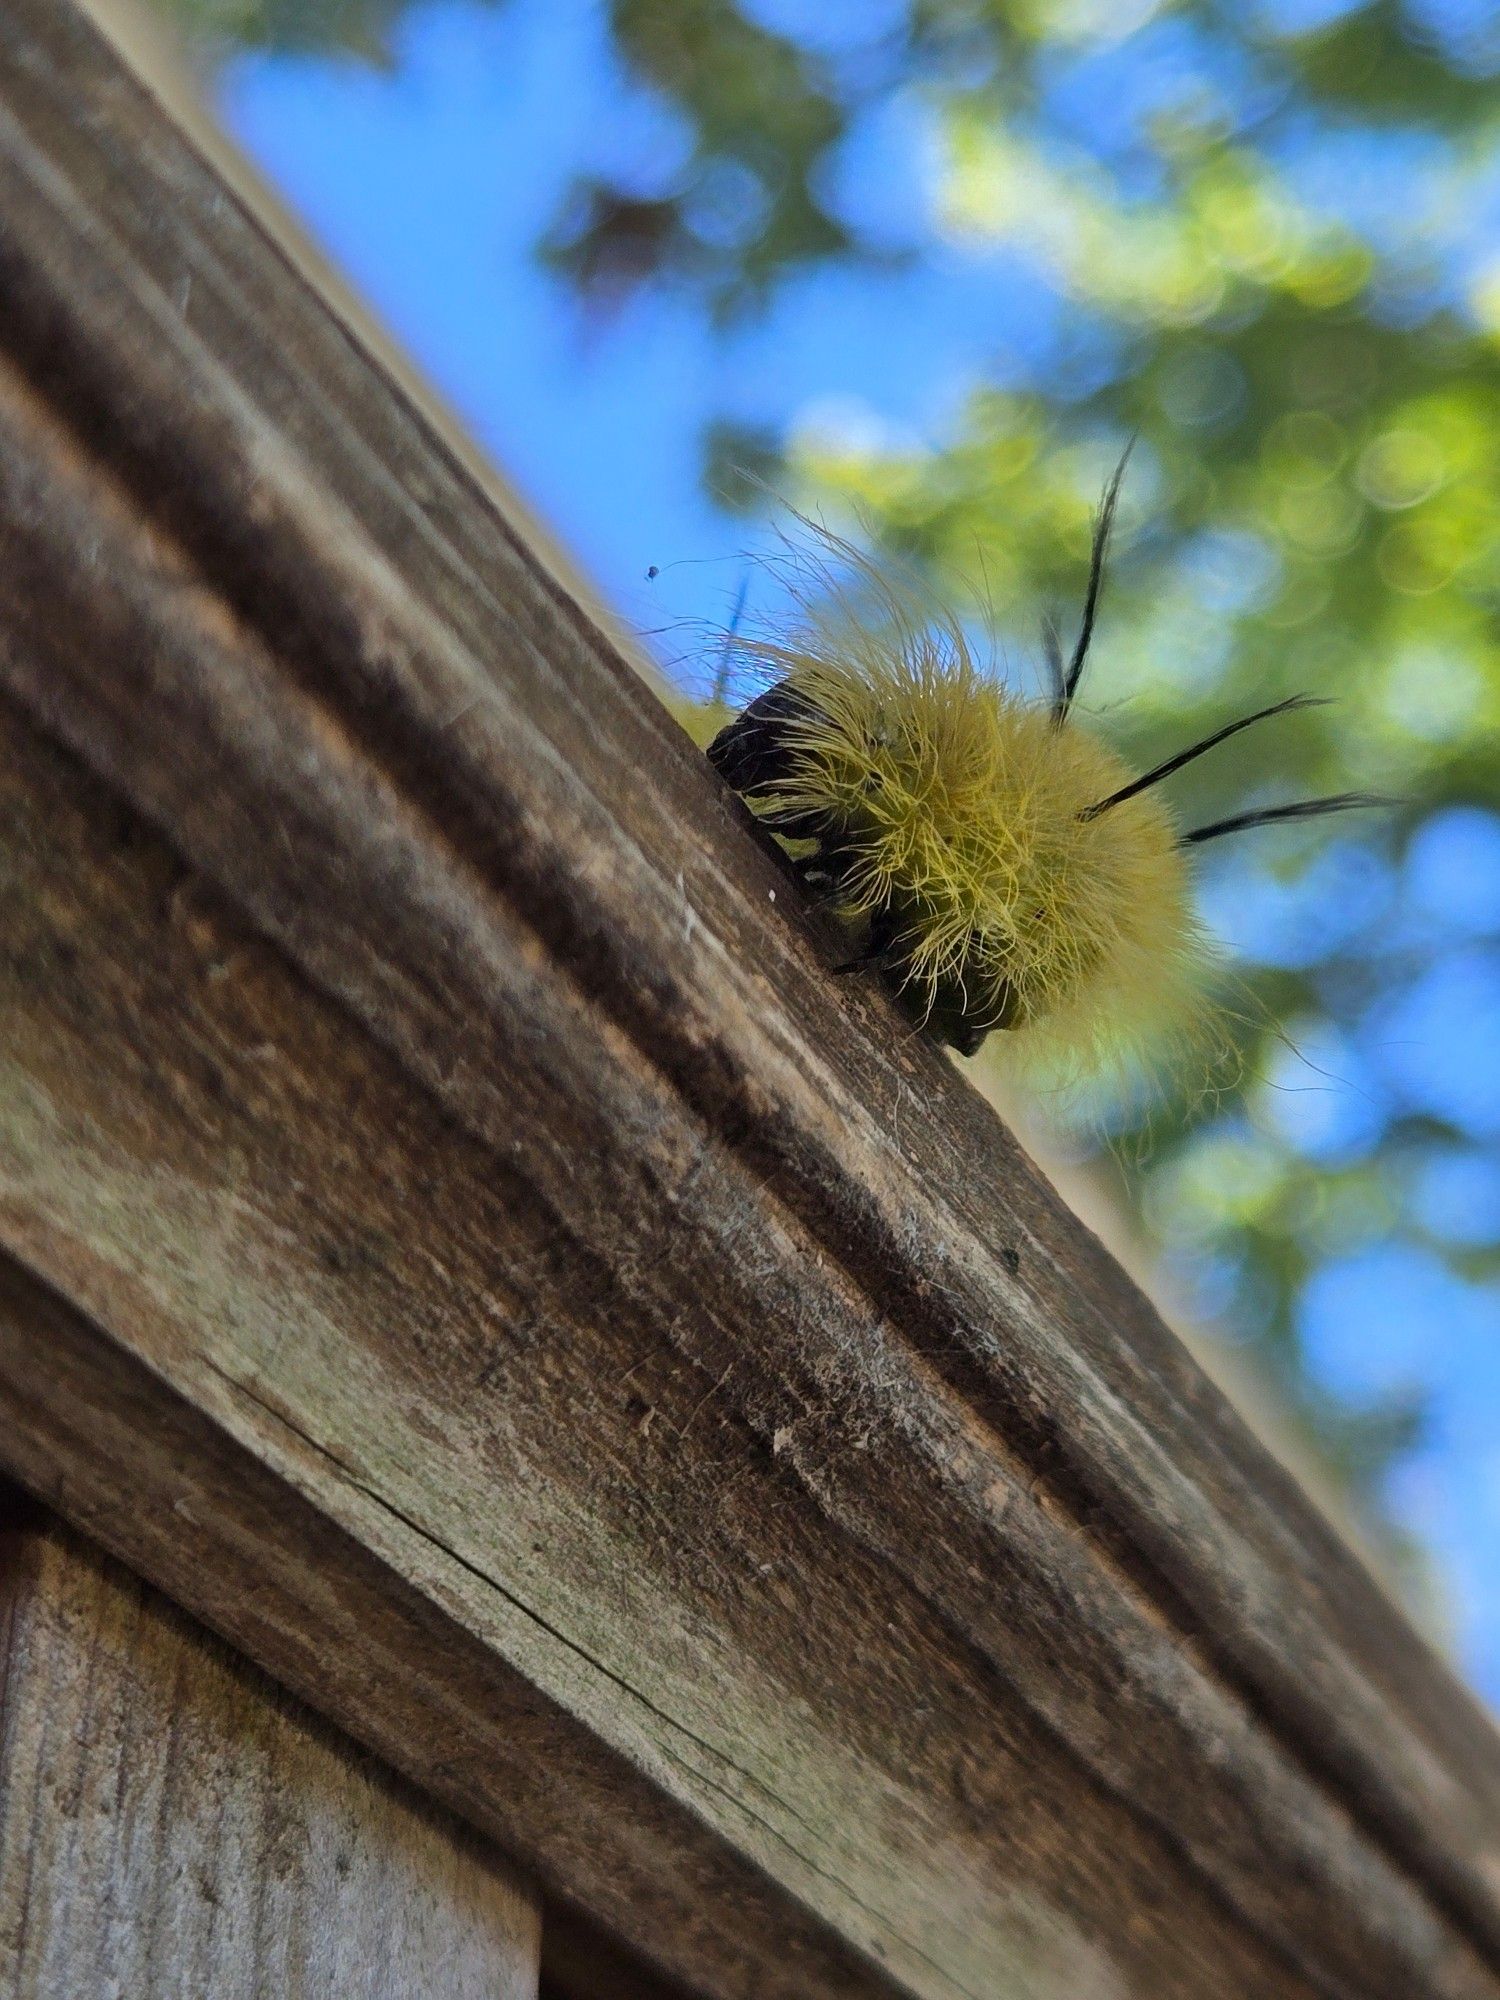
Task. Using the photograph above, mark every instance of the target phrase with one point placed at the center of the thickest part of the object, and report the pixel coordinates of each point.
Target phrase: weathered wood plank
(487, 1167)
(571, 1590)
(172, 1824)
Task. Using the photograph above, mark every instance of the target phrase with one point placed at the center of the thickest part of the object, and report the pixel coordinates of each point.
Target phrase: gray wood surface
(464, 1246)
(173, 1826)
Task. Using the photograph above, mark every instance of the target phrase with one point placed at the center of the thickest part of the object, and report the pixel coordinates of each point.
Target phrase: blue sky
(430, 183)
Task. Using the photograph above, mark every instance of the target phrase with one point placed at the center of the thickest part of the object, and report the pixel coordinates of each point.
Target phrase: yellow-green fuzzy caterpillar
(1005, 868)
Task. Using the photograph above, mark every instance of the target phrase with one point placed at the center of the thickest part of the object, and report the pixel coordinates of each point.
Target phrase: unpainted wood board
(339, 1307)
(173, 1825)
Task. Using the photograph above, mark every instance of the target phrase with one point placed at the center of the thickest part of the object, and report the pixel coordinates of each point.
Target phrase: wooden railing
(461, 1244)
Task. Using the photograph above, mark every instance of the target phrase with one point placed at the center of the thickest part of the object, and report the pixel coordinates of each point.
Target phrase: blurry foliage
(218, 27)
(746, 208)
(1314, 375)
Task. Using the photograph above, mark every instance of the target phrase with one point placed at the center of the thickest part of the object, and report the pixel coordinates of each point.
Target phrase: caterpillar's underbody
(1003, 867)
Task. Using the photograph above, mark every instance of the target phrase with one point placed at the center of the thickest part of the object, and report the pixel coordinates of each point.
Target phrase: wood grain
(172, 1825)
(599, 1359)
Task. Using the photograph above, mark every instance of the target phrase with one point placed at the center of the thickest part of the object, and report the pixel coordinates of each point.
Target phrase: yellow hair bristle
(969, 807)
(963, 809)
(1005, 868)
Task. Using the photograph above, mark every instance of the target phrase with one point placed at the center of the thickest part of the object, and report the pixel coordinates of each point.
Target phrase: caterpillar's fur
(1006, 869)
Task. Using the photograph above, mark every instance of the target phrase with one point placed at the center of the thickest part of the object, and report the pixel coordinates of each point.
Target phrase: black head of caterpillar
(1004, 868)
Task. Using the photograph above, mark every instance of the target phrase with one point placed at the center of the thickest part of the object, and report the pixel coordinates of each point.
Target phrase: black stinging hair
(1154, 777)
(1052, 652)
(1337, 802)
(1067, 683)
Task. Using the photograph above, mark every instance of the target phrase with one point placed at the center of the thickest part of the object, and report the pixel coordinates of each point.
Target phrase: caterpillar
(1000, 865)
